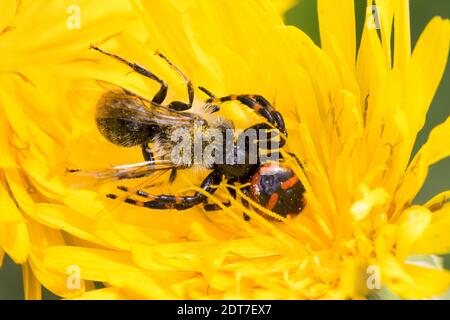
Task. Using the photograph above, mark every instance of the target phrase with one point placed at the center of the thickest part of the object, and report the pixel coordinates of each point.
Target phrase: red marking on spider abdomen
(272, 201)
(289, 183)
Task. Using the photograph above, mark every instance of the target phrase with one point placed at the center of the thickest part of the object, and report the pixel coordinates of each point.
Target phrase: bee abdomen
(115, 117)
(124, 133)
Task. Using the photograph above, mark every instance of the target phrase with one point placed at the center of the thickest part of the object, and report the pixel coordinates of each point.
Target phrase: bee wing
(129, 105)
(128, 171)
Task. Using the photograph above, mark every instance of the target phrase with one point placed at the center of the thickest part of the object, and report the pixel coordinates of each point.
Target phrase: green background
(304, 15)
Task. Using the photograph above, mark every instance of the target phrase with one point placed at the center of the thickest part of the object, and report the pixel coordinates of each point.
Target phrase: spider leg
(261, 106)
(278, 118)
(265, 142)
(162, 92)
(147, 152)
(164, 201)
(207, 92)
(232, 191)
(215, 206)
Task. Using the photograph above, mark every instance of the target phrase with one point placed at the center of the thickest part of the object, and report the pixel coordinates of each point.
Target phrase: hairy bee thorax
(197, 145)
(206, 111)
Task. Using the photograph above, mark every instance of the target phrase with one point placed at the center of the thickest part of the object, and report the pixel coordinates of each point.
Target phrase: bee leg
(162, 92)
(179, 106)
(215, 206)
(261, 106)
(147, 153)
(163, 201)
(214, 108)
(173, 176)
(148, 156)
(187, 81)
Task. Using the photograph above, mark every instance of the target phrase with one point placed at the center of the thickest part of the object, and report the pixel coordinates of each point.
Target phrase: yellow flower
(352, 118)
(282, 6)
(43, 47)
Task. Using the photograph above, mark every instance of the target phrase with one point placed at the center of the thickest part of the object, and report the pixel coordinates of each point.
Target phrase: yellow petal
(423, 283)
(372, 198)
(371, 72)
(9, 212)
(2, 255)
(31, 285)
(115, 268)
(112, 293)
(425, 71)
(402, 36)
(7, 159)
(337, 18)
(14, 241)
(412, 224)
(435, 149)
(8, 10)
(63, 218)
(95, 264)
(167, 257)
(282, 6)
(385, 12)
(438, 201)
(436, 238)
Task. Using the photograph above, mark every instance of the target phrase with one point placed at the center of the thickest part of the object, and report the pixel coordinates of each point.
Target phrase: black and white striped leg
(215, 206)
(268, 143)
(261, 106)
(207, 92)
(164, 201)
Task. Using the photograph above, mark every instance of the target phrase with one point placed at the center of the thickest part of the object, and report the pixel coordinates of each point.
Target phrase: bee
(127, 119)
